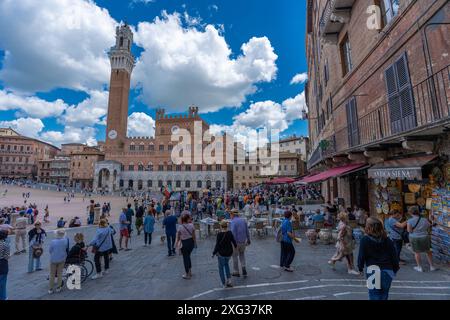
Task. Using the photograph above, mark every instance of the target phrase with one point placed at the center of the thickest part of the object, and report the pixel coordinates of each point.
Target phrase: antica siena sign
(396, 173)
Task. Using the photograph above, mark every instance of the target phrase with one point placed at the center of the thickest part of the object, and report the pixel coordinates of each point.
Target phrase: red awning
(333, 172)
(281, 180)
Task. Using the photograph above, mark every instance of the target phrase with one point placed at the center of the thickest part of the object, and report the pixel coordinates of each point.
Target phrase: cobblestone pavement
(147, 273)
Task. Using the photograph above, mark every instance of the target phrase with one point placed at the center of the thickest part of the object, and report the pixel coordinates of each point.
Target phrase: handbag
(95, 248)
(37, 251)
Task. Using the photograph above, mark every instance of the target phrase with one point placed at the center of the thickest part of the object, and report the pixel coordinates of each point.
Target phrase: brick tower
(122, 64)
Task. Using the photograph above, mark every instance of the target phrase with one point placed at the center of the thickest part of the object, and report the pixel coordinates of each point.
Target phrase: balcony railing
(430, 107)
(335, 14)
(325, 149)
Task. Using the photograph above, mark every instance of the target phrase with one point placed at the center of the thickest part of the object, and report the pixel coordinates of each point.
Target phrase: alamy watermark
(374, 277)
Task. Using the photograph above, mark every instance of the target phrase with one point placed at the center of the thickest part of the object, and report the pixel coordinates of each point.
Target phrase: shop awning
(333, 172)
(405, 168)
(281, 180)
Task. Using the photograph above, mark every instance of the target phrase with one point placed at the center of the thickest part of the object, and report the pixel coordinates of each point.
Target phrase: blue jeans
(33, 261)
(171, 243)
(383, 293)
(398, 246)
(3, 278)
(224, 268)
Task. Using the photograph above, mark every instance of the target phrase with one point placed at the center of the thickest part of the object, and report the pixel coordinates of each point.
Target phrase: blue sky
(53, 81)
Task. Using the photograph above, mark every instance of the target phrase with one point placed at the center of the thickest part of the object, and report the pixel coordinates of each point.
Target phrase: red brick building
(146, 163)
(378, 92)
(19, 155)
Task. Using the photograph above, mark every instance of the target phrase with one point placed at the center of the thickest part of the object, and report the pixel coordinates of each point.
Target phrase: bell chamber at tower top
(120, 54)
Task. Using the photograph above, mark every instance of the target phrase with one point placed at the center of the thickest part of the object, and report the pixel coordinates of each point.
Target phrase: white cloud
(140, 125)
(31, 105)
(299, 78)
(264, 115)
(186, 65)
(55, 43)
(70, 134)
(294, 106)
(29, 127)
(89, 111)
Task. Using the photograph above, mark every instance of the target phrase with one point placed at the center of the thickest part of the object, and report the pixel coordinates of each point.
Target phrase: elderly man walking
(239, 229)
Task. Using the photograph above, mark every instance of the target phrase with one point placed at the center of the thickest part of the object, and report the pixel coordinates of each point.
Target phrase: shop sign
(396, 173)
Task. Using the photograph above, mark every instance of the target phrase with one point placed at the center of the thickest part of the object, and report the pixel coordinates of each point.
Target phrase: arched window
(140, 184)
(149, 184)
(178, 184)
(218, 184)
(132, 147)
(121, 42)
(130, 183)
(140, 167)
(187, 184)
(131, 167)
(160, 167)
(151, 147)
(141, 146)
(150, 166)
(208, 184)
(160, 183)
(199, 183)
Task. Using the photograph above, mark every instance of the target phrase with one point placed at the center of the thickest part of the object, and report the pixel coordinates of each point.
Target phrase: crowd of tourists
(380, 246)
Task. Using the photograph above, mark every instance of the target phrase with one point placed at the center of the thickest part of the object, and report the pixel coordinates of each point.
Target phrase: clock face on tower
(175, 129)
(112, 134)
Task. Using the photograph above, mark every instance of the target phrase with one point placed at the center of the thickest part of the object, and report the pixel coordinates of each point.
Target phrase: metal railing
(326, 14)
(430, 107)
(321, 153)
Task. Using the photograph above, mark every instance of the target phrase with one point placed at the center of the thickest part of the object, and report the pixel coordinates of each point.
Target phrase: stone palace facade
(145, 163)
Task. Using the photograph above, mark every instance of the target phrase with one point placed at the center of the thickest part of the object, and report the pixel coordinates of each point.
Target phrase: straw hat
(223, 224)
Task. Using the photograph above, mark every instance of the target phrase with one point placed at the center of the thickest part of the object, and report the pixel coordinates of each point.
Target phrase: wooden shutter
(400, 98)
(393, 100)
(352, 121)
(405, 94)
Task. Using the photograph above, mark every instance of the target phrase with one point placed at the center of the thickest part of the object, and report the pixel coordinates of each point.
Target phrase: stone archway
(104, 178)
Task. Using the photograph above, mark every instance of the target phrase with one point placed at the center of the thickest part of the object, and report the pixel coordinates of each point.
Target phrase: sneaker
(244, 272)
(289, 269)
(186, 276)
(23, 251)
(229, 285)
(120, 249)
(96, 276)
(235, 274)
(17, 252)
(354, 272)
(58, 290)
(433, 268)
(127, 249)
(105, 272)
(418, 269)
(39, 269)
(50, 291)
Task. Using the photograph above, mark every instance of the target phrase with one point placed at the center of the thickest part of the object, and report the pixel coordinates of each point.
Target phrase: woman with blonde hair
(376, 249)
(101, 246)
(344, 244)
